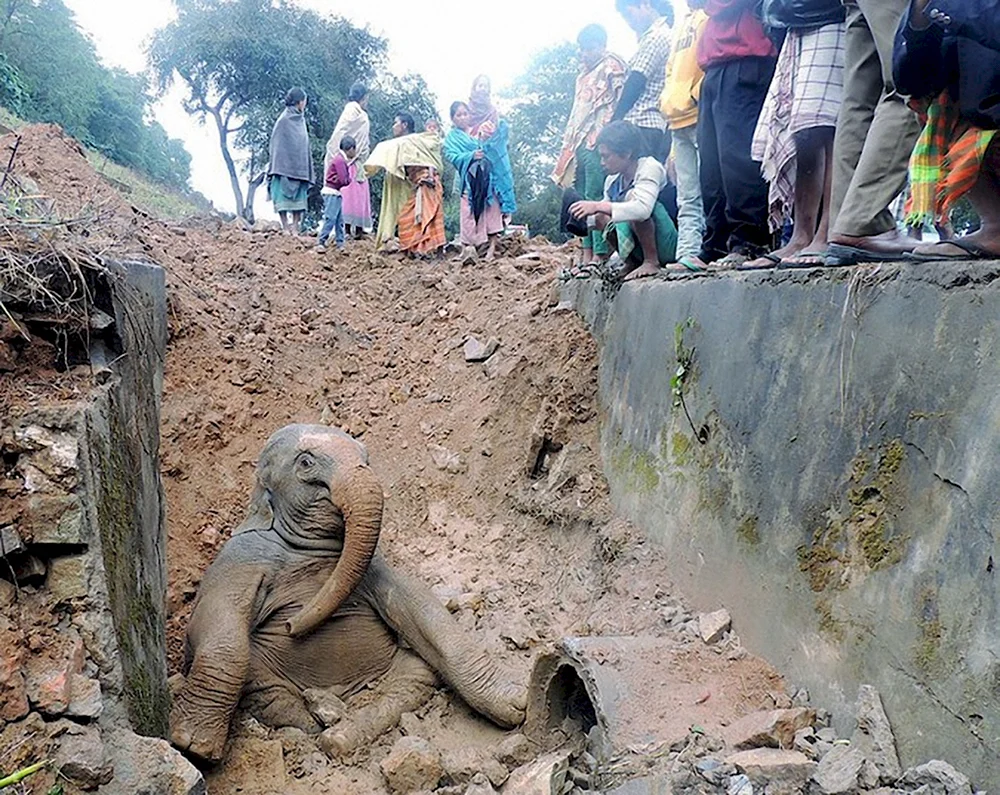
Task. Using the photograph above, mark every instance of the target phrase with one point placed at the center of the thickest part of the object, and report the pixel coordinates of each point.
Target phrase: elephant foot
(197, 738)
(278, 706)
(406, 687)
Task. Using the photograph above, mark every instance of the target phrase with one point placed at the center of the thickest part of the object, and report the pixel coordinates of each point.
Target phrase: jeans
(333, 218)
(690, 210)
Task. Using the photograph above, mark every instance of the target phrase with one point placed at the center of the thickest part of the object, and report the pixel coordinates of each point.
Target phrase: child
(337, 178)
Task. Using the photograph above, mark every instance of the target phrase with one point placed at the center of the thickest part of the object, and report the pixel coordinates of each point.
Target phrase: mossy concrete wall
(836, 484)
(123, 491)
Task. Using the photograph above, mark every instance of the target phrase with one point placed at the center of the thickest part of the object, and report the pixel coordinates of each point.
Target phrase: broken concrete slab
(774, 729)
(714, 626)
(874, 737)
(779, 772)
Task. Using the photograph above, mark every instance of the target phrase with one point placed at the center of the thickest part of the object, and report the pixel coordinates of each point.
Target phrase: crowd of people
(745, 134)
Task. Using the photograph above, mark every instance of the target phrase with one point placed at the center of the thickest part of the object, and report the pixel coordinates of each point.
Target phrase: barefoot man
(631, 215)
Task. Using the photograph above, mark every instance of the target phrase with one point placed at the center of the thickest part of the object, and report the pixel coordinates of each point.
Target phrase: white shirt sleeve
(650, 177)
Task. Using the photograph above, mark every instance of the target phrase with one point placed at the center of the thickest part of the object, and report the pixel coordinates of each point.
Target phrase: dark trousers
(655, 143)
(734, 192)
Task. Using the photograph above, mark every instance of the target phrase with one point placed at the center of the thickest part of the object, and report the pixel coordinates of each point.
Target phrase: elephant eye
(306, 462)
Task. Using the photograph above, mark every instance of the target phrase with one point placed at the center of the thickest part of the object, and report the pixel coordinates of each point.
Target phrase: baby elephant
(299, 599)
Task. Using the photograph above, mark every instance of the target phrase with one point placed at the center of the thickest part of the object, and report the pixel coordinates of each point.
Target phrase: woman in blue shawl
(485, 177)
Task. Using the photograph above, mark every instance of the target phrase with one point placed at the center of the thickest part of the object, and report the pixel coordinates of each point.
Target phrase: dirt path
(495, 491)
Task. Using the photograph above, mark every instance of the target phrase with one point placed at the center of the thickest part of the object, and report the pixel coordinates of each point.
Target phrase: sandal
(969, 251)
(764, 262)
(799, 260)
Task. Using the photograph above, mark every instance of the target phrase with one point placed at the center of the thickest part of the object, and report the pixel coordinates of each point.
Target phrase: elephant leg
(409, 607)
(278, 705)
(407, 686)
(219, 653)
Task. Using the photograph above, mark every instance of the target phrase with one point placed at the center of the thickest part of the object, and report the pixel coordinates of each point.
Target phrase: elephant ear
(261, 515)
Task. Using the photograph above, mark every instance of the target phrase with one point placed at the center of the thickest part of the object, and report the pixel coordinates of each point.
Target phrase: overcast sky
(511, 32)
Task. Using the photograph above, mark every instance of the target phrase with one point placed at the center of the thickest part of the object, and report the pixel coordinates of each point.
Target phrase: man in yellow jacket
(679, 105)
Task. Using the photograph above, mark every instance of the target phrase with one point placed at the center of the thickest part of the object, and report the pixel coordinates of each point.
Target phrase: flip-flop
(840, 256)
(687, 266)
(796, 261)
(970, 251)
(772, 260)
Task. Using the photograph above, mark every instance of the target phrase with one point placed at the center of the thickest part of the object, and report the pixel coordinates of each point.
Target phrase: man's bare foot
(644, 271)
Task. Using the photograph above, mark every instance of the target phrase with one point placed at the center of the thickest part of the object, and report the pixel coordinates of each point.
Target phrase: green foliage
(238, 58)
(544, 98)
(685, 361)
(50, 72)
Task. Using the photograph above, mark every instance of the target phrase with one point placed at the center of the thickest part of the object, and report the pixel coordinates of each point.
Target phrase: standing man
(739, 60)
(679, 105)
(876, 132)
(640, 101)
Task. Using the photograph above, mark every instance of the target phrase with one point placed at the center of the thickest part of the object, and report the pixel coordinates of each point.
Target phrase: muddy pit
(495, 493)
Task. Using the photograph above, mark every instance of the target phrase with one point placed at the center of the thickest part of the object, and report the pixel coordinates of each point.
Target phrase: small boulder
(10, 542)
(714, 626)
(874, 737)
(461, 764)
(476, 351)
(939, 778)
(480, 785)
(85, 698)
(544, 776)
(774, 729)
(83, 759)
(777, 771)
(412, 765)
(515, 750)
(151, 766)
(447, 461)
(840, 771)
(49, 686)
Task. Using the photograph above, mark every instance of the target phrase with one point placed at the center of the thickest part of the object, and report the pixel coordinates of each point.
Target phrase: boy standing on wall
(337, 178)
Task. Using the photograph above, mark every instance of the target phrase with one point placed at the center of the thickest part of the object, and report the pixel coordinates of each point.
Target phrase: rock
(29, 570)
(150, 766)
(412, 765)
(497, 773)
(775, 729)
(350, 367)
(777, 771)
(940, 778)
(13, 693)
(544, 776)
(713, 626)
(805, 742)
(652, 785)
(447, 461)
(469, 255)
(10, 542)
(325, 706)
(49, 686)
(461, 764)
(714, 771)
(82, 759)
(188, 256)
(739, 785)
(476, 351)
(85, 698)
(410, 724)
(515, 750)
(874, 737)
(480, 785)
(466, 601)
(8, 594)
(69, 577)
(840, 771)
(55, 520)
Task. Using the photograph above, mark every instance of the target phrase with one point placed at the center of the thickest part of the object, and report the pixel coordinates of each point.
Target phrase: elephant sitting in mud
(298, 598)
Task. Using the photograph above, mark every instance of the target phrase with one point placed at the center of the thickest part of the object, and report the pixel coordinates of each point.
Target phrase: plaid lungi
(805, 93)
(945, 163)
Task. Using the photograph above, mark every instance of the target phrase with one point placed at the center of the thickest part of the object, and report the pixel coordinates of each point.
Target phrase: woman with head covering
(412, 195)
(484, 118)
(485, 177)
(354, 123)
(290, 172)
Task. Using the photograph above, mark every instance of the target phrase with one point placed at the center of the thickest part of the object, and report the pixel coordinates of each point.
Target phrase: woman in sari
(484, 118)
(485, 177)
(413, 195)
(290, 172)
(354, 123)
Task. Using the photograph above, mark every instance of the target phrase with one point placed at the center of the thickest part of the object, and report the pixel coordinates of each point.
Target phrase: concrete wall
(844, 502)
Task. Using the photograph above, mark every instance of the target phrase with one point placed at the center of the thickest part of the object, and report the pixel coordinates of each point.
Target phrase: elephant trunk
(358, 494)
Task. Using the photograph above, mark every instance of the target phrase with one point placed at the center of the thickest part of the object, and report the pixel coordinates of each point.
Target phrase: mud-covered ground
(495, 494)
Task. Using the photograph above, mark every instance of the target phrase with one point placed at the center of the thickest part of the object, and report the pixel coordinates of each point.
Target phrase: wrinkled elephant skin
(299, 599)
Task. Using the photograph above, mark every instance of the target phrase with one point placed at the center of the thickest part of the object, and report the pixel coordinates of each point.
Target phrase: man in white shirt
(631, 214)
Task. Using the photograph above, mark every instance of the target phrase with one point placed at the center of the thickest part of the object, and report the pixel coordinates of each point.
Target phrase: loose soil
(495, 492)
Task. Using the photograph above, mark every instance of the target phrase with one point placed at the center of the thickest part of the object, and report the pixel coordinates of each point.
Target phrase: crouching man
(634, 221)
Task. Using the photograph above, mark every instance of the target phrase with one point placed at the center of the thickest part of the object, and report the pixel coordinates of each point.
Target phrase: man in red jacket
(738, 60)
(876, 132)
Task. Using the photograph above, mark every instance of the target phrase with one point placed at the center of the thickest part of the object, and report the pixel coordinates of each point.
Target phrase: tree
(237, 58)
(543, 98)
(49, 71)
